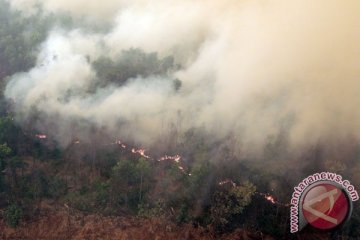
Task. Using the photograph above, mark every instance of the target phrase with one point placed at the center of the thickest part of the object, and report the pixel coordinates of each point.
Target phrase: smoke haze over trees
(254, 70)
(251, 94)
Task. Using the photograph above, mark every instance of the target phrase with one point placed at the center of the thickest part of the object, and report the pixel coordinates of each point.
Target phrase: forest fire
(175, 158)
(194, 114)
(227, 181)
(40, 136)
(120, 144)
(140, 151)
(270, 199)
(266, 196)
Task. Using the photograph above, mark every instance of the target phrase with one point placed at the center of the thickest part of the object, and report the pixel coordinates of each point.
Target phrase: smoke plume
(253, 70)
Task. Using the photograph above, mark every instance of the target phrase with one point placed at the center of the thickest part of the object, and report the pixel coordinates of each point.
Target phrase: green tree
(19, 38)
(14, 164)
(5, 151)
(38, 184)
(11, 134)
(123, 181)
(57, 187)
(229, 201)
(13, 215)
(133, 63)
(101, 194)
(143, 169)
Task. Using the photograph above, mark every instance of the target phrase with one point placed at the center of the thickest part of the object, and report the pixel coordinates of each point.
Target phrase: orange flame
(41, 136)
(270, 199)
(226, 181)
(175, 158)
(140, 151)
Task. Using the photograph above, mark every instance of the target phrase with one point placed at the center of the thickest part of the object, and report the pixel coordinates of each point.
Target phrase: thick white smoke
(249, 68)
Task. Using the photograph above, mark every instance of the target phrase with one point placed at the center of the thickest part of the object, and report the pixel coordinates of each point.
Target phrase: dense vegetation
(223, 193)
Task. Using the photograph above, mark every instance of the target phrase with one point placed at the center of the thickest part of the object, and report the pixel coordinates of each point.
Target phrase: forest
(67, 144)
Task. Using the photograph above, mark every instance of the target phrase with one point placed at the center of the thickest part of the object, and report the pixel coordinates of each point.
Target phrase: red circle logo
(325, 206)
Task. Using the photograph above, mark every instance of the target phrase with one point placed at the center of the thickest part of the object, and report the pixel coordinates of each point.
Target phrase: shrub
(147, 211)
(13, 215)
(57, 187)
